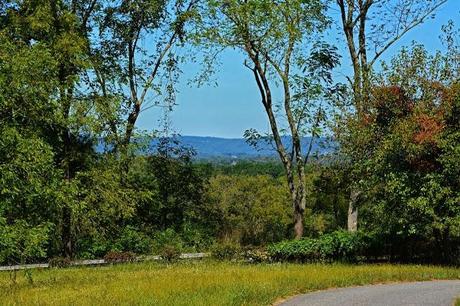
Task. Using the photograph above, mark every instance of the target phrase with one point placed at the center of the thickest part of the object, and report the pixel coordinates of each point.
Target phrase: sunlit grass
(198, 282)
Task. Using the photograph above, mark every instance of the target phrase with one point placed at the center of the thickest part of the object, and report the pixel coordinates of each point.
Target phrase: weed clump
(59, 262)
(118, 257)
(170, 253)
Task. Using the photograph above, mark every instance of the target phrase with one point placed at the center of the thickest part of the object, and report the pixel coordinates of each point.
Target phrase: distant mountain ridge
(214, 147)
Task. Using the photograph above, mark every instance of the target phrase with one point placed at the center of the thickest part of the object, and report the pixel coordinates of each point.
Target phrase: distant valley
(238, 148)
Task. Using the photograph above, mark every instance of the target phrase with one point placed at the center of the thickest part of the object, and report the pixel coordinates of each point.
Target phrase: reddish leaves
(428, 129)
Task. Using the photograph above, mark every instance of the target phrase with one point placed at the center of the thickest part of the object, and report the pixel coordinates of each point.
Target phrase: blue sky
(231, 107)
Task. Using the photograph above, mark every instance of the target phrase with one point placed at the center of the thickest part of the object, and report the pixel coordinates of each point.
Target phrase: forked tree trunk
(293, 163)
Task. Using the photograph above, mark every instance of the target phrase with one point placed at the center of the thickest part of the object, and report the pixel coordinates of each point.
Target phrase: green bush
(135, 241)
(165, 238)
(59, 262)
(116, 257)
(196, 238)
(170, 253)
(227, 251)
(339, 245)
(21, 242)
(256, 255)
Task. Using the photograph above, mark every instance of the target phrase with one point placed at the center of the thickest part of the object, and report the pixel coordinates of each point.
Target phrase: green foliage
(168, 237)
(127, 239)
(170, 253)
(405, 147)
(119, 257)
(176, 191)
(227, 251)
(270, 167)
(339, 245)
(59, 262)
(250, 209)
(256, 255)
(29, 191)
(21, 243)
(131, 239)
(328, 203)
(71, 74)
(197, 237)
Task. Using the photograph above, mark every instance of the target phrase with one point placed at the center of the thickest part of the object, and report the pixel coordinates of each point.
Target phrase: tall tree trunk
(301, 198)
(67, 232)
(293, 163)
(299, 210)
(352, 225)
(298, 222)
(66, 95)
(66, 227)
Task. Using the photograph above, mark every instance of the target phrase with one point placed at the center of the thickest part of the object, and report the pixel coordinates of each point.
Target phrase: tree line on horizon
(75, 72)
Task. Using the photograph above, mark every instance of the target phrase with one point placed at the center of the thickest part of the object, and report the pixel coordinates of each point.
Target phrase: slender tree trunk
(301, 198)
(353, 211)
(66, 229)
(299, 209)
(67, 232)
(66, 95)
(293, 164)
(298, 222)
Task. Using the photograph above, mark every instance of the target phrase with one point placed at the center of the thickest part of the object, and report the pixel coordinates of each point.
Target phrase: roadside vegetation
(79, 180)
(192, 282)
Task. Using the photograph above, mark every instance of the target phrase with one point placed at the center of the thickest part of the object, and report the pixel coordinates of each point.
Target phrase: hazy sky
(231, 107)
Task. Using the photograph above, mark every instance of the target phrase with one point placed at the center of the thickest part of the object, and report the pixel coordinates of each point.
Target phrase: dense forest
(74, 75)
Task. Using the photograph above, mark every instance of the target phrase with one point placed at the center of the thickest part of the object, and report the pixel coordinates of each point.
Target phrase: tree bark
(298, 222)
(67, 232)
(352, 225)
(66, 229)
(293, 164)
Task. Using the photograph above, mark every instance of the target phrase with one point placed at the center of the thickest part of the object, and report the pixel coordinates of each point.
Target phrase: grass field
(198, 282)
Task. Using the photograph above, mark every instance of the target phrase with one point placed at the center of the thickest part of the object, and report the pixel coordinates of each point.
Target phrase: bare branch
(404, 31)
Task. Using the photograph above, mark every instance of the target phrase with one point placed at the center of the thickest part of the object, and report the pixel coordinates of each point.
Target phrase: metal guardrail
(95, 262)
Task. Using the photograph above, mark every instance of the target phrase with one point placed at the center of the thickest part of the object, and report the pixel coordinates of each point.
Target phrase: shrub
(347, 246)
(256, 255)
(115, 257)
(21, 242)
(59, 262)
(93, 245)
(165, 238)
(296, 250)
(195, 237)
(170, 253)
(135, 241)
(237, 201)
(227, 251)
(339, 245)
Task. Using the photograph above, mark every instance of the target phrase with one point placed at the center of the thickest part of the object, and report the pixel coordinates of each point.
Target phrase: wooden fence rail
(95, 262)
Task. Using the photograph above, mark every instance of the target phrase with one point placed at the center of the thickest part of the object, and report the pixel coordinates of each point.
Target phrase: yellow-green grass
(198, 282)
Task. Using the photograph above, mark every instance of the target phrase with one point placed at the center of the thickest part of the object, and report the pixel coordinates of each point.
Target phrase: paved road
(431, 293)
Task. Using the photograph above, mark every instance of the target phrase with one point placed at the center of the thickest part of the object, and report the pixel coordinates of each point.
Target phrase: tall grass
(198, 282)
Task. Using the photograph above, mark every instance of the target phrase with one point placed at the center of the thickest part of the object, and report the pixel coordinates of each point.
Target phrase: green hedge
(336, 246)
